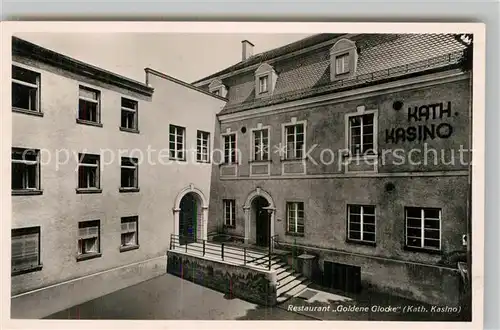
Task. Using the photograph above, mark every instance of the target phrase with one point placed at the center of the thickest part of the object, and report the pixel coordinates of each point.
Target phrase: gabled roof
(381, 57)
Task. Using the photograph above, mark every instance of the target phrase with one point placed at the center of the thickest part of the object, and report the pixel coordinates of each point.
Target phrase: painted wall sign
(421, 130)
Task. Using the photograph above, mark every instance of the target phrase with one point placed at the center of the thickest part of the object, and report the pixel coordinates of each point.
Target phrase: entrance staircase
(289, 282)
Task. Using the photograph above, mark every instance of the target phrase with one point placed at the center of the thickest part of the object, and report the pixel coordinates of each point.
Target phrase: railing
(223, 250)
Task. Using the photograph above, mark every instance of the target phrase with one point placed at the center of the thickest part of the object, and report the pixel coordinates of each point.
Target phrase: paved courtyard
(170, 298)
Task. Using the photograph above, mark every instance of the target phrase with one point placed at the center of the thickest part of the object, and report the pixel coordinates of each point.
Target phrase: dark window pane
(355, 226)
(414, 242)
(432, 234)
(356, 209)
(354, 235)
(431, 213)
(431, 243)
(413, 212)
(414, 232)
(24, 97)
(370, 237)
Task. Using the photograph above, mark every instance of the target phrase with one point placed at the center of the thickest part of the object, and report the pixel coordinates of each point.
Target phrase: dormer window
(343, 60)
(342, 64)
(265, 80)
(216, 87)
(263, 84)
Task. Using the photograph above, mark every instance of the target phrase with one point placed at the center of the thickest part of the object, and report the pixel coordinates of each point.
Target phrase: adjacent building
(100, 166)
(352, 148)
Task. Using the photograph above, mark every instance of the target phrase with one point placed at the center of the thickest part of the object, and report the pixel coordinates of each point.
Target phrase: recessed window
(295, 217)
(230, 148)
(229, 212)
(294, 135)
(88, 105)
(177, 138)
(129, 232)
(129, 114)
(25, 89)
(342, 64)
(216, 92)
(261, 145)
(88, 238)
(129, 173)
(202, 147)
(423, 228)
(263, 84)
(88, 171)
(361, 137)
(25, 250)
(361, 223)
(25, 169)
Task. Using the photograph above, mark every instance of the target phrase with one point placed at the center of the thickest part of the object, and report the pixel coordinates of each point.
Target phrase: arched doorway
(262, 220)
(189, 216)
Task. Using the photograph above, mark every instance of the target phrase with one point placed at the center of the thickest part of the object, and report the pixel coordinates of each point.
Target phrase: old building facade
(102, 167)
(353, 148)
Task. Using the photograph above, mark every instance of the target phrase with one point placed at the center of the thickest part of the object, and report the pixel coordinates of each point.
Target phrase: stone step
(293, 292)
(282, 273)
(290, 285)
(284, 281)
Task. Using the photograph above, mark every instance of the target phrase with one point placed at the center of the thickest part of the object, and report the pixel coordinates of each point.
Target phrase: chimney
(246, 49)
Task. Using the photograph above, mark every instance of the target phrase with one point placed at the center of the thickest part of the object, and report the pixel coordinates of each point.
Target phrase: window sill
(368, 156)
(230, 226)
(228, 164)
(422, 250)
(177, 159)
(260, 161)
(86, 122)
(126, 248)
(284, 160)
(351, 241)
(88, 256)
(129, 130)
(88, 191)
(28, 112)
(131, 189)
(26, 270)
(203, 161)
(27, 192)
(294, 234)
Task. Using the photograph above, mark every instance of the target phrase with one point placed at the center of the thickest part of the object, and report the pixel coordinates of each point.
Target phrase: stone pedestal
(308, 263)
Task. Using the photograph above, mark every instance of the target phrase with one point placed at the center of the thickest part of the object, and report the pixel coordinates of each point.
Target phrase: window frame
(285, 134)
(265, 147)
(79, 120)
(348, 147)
(344, 58)
(37, 190)
(236, 158)
(232, 212)
(296, 231)
(96, 189)
(263, 78)
(135, 167)
(24, 231)
(361, 223)
(199, 154)
(134, 129)
(89, 255)
(38, 111)
(422, 228)
(129, 219)
(176, 150)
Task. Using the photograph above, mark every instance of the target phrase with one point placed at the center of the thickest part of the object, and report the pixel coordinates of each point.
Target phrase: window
(361, 223)
(423, 228)
(25, 250)
(294, 135)
(129, 232)
(177, 136)
(88, 106)
(342, 64)
(129, 114)
(88, 238)
(295, 217)
(263, 84)
(88, 172)
(129, 173)
(25, 169)
(261, 145)
(202, 147)
(230, 148)
(25, 89)
(361, 134)
(229, 212)
(216, 92)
